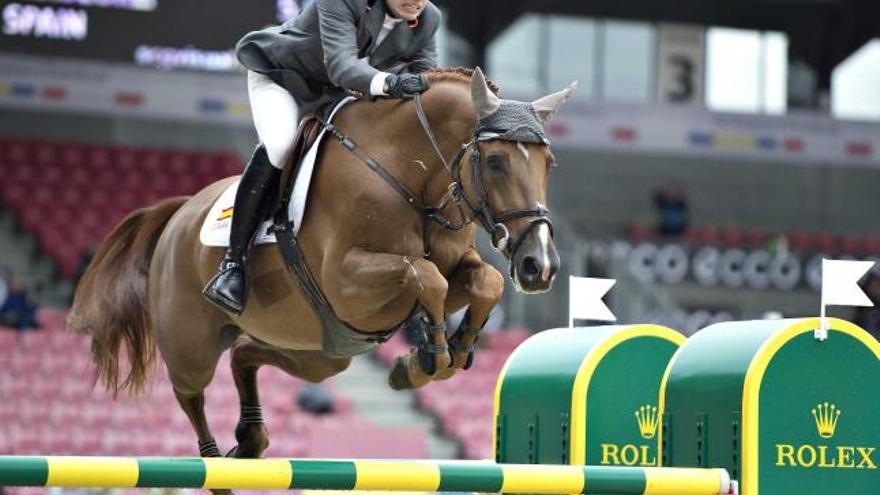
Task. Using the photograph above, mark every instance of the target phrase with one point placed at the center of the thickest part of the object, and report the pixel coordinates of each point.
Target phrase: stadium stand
(753, 238)
(70, 195)
(49, 407)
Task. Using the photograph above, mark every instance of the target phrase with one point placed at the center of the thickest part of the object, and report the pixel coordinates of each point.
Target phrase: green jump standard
(584, 396)
(783, 412)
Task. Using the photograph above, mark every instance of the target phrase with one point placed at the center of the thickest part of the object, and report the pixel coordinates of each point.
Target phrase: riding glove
(405, 85)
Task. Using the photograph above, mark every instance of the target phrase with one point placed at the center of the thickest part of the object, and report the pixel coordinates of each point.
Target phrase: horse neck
(450, 112)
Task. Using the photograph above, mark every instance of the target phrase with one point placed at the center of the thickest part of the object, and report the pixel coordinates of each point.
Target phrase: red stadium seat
(126, 159)
(46, 154)
(640, 232)
(231, 165)
(755, 237)
(98, 157)
(18, 152)
(80, 176)
(802, 241)
(16, 195)
(207, 166)
(70, 195)
(152, 161)
(179, 163)
(733, 237)
(851, 244)
(72, 156)
(703, 235)
(24, 173)
(826, 243)
(872, 245)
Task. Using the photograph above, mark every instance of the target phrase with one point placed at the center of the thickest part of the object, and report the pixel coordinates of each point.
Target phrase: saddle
(305, 137)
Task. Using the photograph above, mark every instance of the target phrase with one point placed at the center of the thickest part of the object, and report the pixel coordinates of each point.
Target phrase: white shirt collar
(390, 22)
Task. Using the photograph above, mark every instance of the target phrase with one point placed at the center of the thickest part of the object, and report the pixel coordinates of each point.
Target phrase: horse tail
(110, 303)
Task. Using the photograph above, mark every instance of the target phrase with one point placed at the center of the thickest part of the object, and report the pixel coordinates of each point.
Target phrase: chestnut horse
(363, 244)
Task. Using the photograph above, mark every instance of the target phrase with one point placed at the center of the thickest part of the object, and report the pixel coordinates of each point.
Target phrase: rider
(368, 48)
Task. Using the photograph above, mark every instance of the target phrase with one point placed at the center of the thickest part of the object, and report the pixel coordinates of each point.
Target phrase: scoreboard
(168, 34)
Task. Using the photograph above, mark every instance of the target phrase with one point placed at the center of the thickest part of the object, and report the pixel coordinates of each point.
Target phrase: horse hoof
(398, 379)
(445, 374)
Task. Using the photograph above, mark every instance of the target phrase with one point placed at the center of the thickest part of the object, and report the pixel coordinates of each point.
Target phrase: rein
(493, 224)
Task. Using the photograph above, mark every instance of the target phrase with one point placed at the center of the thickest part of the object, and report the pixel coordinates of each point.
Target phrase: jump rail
(384, 475)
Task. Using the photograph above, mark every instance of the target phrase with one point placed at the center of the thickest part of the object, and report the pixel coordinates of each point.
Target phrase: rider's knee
(278, 150)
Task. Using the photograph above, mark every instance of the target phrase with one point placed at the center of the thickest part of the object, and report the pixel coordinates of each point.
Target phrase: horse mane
(456, 74)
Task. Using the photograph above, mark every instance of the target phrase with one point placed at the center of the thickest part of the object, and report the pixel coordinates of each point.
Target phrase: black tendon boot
(228, 289)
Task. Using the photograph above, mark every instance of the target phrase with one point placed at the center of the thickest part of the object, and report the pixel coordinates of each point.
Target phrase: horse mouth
(534, 265)
(529, 286)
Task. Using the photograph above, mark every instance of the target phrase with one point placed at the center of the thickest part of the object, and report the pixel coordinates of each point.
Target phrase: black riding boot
(228, 288)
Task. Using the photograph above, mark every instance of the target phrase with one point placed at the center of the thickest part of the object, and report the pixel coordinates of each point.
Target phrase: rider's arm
(338, 27)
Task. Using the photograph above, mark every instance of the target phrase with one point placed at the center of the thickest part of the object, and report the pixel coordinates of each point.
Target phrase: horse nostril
(530, 266)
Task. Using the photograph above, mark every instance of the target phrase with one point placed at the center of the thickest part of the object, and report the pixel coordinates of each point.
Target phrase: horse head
(509, 165)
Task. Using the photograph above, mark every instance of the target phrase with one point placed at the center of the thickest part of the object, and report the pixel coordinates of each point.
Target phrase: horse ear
(485, 101)
(547, 106)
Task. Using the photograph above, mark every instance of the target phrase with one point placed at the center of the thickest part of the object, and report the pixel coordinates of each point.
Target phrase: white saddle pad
(218, 223)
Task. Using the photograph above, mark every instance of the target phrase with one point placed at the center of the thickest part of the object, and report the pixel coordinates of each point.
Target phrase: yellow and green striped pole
(384, 475)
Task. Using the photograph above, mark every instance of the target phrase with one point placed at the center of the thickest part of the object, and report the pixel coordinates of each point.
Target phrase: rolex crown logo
(647, 418)
(826, 416)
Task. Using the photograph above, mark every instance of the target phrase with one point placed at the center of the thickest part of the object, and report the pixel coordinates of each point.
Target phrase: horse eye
(496, 163)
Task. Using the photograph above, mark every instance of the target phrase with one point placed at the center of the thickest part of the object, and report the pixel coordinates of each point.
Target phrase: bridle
(480, 210)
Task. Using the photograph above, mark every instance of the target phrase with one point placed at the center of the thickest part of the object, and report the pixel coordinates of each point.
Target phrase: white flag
(585, 299)
(840, 287)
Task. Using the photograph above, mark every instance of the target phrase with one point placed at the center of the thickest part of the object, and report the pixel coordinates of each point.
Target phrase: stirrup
(228, 263)
(217, 299)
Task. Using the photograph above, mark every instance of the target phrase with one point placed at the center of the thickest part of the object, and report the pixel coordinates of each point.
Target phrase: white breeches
(275, 116)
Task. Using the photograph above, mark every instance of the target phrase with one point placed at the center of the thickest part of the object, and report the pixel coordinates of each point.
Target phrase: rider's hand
(405, 85)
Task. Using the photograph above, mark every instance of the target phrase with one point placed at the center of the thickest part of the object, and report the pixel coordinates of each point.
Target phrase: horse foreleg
(373, 281)
(480, 286)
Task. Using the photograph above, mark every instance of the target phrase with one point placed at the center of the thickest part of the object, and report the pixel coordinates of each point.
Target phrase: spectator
(672, 210)
(18, 311)
(83, 263)
(316, 399)
(777, 245)
(4, 287)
